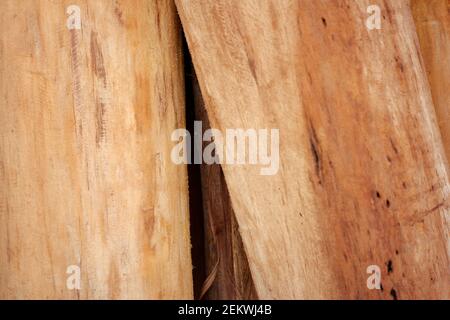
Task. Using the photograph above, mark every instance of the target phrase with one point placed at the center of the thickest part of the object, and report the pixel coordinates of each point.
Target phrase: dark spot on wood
(388, 203)
(381, 287)
(394, 294)
(390, 267)
(378, 195)
(389, 159)
(149, 221)
(396, 252)
(251, 64)
(76, 85)
(435, 208)
(273, 16)
(393, 146)
(100, 133)
(399, 63)
(119, 15)
(309, 77)
(314, 144)
(100, 74)
(315, 154)
(316, 158)
(158, 21)
(97, 58)
(389, 13)
(324, 21)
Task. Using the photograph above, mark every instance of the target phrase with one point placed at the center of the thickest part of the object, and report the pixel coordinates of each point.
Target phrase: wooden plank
(432, 18)
(225, 257)
(86, 176)
(362, 178)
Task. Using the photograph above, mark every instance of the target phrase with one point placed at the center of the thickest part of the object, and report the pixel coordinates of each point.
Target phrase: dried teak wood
(89, 95)
(362, 182)
(432, 19)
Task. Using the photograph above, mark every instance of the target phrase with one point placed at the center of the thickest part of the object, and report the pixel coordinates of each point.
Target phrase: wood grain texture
(362, 177)
(85, 169)
(432, 18)
(225, 257)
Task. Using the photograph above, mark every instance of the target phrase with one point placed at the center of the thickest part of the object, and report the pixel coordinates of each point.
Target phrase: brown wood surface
(86, 177)
(362, 177)
(432, 18)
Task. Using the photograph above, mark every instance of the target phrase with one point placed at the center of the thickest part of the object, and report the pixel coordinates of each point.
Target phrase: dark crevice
(390, 268)
(195, 189)
(394, 294)
(314, 144)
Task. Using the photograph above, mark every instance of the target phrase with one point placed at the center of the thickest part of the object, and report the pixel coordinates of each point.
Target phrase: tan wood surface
(432, 18)
(86, 177)
(362, 177)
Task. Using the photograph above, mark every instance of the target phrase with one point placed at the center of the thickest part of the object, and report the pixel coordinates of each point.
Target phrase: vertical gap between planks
(195, 188)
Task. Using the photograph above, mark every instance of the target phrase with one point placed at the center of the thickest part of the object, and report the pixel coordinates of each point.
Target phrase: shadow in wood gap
(225, 273)
(195, 188)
